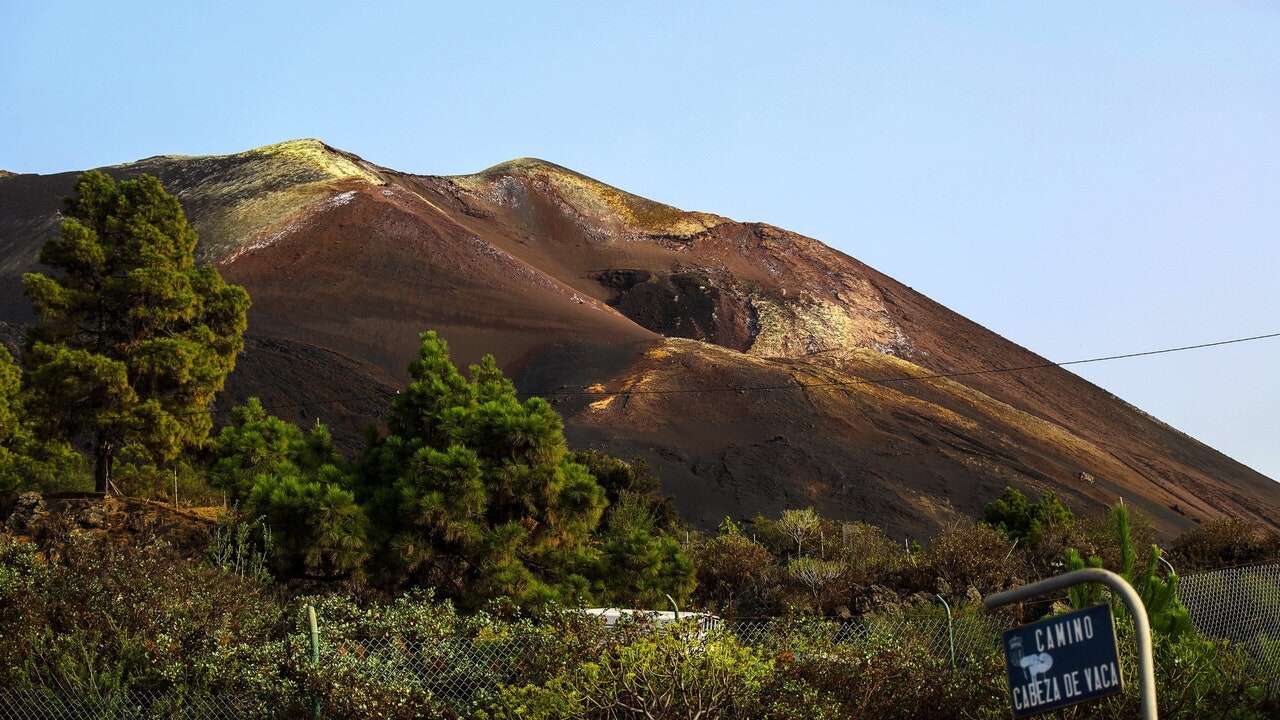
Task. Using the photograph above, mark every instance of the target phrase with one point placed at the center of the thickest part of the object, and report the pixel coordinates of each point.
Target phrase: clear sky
(1088, 179)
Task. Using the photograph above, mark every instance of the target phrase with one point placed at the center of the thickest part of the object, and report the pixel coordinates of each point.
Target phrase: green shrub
(1225, 542)
(666, 673)
(1157, 589)
(241, 547)
(105, 619)
(298, 484)
(1025, 521)
(1195, 678)
(891, 672)
(736, 575)
(870, 556)
(977, 556)
(816, 575)
(26, 460)
(99, 622)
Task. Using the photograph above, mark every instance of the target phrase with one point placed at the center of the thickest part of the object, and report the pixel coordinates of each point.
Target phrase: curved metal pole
(1118, 585)
(951, 632)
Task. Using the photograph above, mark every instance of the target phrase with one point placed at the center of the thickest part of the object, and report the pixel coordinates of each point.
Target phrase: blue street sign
(1062, 660)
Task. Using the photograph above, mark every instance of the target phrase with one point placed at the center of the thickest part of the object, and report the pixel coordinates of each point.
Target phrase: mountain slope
(582, 290)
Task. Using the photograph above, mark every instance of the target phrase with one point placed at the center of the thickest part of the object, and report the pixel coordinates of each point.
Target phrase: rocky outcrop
(122, 519)
(27, 515)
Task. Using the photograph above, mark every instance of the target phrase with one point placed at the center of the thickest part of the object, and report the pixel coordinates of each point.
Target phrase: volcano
(753, 368)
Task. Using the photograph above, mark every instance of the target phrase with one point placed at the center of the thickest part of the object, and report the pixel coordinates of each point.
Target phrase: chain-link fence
(1241, 605)
(131, 705)
(460, 673)
(956, 640)
(466, 672)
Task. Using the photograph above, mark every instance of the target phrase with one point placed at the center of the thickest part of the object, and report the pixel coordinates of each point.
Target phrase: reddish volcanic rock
(648, 326)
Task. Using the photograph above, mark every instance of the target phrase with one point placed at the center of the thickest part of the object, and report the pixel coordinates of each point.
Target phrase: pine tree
(299, 484)
(641, 566)
(1165, 611)
(475, 490)
(479, 495)
(1025, 521)
(11, 425)
(257, 444)
(26, 460)
(134, 339)
(622, 478)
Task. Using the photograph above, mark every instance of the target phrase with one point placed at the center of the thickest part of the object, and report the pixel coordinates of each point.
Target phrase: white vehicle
(611, 616)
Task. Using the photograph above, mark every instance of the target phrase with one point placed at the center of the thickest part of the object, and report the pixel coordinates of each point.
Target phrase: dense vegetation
(27, 459)
(141, 628)
(467, 518)
(134, 339)
(471, 492)
(469, 489)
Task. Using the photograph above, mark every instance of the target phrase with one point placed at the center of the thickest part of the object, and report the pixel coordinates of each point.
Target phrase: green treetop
(257, 444)
(298, 483)
(25, 459)
(1169, 618)
(476, 493)
(134, 339)
(475, 490)
(1027, 521)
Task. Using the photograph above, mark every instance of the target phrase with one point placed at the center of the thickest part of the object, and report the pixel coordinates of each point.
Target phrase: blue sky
(1088, 179)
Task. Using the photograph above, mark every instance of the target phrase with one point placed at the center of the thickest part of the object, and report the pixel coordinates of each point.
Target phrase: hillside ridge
(575, 284)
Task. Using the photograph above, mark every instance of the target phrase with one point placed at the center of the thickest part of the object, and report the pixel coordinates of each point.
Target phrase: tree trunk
(104, 453)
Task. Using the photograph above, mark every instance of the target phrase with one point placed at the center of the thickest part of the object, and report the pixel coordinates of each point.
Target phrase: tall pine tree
(298, 483)
(134, 339)
(475, 491)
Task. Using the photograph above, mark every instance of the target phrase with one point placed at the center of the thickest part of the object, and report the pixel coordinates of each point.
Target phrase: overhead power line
(909, 378)
(804, 386)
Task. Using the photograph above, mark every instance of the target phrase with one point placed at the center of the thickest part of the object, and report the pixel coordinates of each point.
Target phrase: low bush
(103, 620)
(675, 672)
(736, 574)
(106, 625)
(1225, 542)
(977, 556)
(1196, 678)
(893, 672)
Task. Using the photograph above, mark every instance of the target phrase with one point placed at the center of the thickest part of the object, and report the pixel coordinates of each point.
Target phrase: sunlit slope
(580, 287)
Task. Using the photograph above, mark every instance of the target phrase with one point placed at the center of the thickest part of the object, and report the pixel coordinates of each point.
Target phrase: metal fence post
(1118, 585)
(951, 631)
(315, 654)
